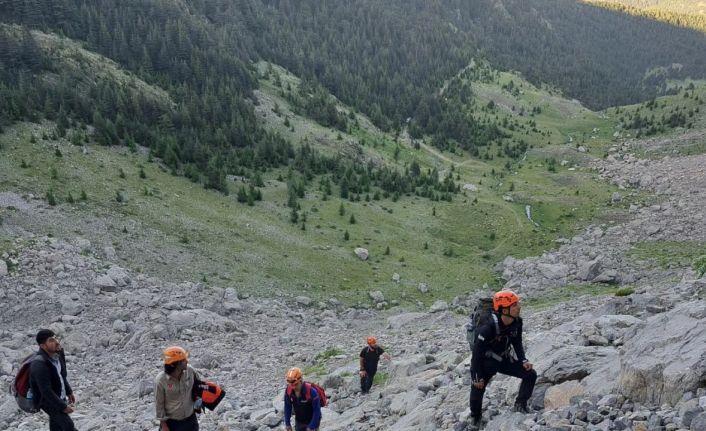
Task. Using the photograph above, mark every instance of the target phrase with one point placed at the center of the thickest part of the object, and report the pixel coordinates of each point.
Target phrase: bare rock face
(665, 358)
(559, 396)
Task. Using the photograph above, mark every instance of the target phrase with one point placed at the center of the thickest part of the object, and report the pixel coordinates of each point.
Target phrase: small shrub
(346, 236)
(57, 152)
(624, 291)
(352, 219)
(54, 173)
(24, 164)
(121, 173)
(143, 175)
(70, 198)
(51, 199)
(700, 266)
(84, 196)
(119, 197)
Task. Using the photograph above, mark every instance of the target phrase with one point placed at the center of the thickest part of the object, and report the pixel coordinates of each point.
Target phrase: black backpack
(482, 312)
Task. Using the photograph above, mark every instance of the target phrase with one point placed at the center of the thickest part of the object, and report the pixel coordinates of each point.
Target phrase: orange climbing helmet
(294, 375)
(174, 354)
(372, 341)
(504, 299)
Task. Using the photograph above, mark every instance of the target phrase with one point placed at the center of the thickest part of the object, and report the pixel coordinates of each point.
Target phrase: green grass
(328, 354)
(559, 295)
(668, 254)
(380, 378)
(172, 228)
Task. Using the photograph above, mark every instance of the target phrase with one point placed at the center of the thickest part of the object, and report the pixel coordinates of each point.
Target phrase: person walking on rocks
(50, 388)
(174, 403)
(498, 349)
(369, 358)
(304, 400)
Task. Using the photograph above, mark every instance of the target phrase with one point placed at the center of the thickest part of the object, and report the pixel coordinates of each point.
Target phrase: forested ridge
(388, 60)
(684, 13)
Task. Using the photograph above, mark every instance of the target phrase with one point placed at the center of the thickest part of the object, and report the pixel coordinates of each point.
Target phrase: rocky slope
(604, 363)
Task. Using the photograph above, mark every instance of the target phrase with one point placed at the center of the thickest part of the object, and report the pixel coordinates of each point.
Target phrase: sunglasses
(291, 382)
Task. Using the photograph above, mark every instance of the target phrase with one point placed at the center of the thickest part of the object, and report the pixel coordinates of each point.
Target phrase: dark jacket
(45, 383)
(306, 409)
(494, 346)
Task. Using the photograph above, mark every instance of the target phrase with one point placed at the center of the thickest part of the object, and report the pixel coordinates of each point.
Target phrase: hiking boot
(520, 408)
(476, 423)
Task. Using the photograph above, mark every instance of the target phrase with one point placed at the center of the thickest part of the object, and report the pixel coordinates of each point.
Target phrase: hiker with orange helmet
(369, 358)
(173, 392)
(498, 349)
(304, 400)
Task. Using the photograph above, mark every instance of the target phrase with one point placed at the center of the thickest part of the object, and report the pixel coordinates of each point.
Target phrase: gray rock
(616, 197)
(396, 277)
(3, 268)
(70, 307)
(423, 288)
(698, 423)
(362, 253)
(376, 296)
(303, 300)
(106, 284)
(650, 370)
(553, 271)
(589, 270)
(439, 306)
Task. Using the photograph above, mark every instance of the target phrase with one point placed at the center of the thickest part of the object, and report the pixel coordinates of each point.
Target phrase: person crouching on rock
(498, 349)
(304, 400)
(369, 358)
(173, 392)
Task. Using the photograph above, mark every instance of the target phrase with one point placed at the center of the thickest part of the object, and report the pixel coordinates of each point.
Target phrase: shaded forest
(385, 59)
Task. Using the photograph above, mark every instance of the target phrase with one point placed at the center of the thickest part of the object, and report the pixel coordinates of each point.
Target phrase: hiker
(50, 388)
(369, 357)
(304, 399)
(174, 403)
(498, 349)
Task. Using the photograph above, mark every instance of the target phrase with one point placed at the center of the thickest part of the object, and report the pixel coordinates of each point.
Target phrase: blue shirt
(304, 409)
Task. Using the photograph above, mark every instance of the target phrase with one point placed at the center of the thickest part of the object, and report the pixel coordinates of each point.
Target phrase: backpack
(307, 393)
(210, 393)
(20, 388)
(481, 313)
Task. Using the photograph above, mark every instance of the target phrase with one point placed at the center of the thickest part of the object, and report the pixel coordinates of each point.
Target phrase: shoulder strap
(307, 391)
(495, 323)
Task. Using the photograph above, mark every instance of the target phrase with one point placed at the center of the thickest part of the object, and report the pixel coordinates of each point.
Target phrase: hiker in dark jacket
(50, 388)
(369, 358)
(498, 349)
(306, 406)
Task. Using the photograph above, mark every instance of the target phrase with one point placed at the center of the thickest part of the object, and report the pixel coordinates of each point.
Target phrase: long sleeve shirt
(305, 410)
(173, 398)
(489, 344)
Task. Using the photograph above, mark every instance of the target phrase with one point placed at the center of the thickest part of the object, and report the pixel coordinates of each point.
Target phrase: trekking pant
(367, 382)
(300, 426)
(60, 421)
(188, 424)
(514, 369)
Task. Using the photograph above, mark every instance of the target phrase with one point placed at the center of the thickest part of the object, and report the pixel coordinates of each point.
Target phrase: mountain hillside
(684, 13)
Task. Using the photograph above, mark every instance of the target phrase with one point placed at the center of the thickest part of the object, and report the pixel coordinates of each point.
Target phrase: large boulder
(551, 271)
(559, 396)
(664, 358)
